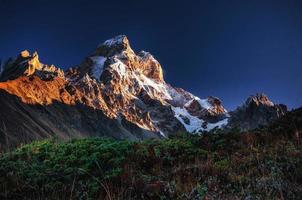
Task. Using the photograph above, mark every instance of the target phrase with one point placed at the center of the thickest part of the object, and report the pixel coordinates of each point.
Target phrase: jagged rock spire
(27, 65)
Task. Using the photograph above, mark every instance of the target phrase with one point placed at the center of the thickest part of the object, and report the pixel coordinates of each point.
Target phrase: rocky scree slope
(114, 92)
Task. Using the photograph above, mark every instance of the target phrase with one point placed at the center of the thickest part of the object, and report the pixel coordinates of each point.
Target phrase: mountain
(114, 92)
(257, 110)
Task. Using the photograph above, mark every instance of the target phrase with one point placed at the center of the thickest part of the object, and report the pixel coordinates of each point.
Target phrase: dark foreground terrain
(262, 164)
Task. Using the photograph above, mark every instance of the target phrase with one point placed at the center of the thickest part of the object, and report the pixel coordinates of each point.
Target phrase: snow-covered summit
(118, 45)
(134, 87)
(123, 94)
(120, 39)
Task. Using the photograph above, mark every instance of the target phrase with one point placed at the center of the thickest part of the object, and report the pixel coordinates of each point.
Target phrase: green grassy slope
(263, 164)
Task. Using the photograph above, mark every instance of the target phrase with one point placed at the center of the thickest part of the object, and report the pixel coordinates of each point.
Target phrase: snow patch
(98, 66)
(195, 122)
(219, 124)
(204, 103)
(176, 96)
(162, 134)
(113, 41)
(146, 83)
(119, 67)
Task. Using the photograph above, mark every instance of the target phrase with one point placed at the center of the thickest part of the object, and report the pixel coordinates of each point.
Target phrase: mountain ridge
(124, 86)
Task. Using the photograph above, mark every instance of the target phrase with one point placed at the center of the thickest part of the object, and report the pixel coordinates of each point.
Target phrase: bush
(258, 164)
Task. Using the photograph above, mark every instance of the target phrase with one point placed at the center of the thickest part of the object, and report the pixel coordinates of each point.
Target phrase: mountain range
(114, 92)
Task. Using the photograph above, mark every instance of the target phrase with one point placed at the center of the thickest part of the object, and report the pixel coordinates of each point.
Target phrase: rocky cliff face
(113, 92)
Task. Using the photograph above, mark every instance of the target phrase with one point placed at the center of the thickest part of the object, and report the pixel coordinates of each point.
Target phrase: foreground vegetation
(263, 164)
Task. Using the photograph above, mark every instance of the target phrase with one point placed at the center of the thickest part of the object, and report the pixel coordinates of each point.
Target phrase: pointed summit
(114, 46)
(33, 64)
(116, 55)
(117, 40)
(257, 110)
(27, 65)
(25, 54)
(259, 99)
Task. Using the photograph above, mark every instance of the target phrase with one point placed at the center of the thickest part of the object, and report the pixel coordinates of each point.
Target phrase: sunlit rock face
(28, 65)
(127, 88)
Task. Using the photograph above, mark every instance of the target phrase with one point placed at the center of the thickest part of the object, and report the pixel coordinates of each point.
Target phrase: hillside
(262, 164)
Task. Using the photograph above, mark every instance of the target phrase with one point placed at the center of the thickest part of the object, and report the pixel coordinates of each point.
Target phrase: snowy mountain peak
(116, 54)
(117, 40)
(126, 88)
(122, 83)
(114, 46)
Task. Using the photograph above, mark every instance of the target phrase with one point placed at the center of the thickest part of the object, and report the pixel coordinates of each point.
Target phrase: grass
(263, 164)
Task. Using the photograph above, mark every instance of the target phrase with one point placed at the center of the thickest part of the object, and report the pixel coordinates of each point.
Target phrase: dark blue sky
(229, 49)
